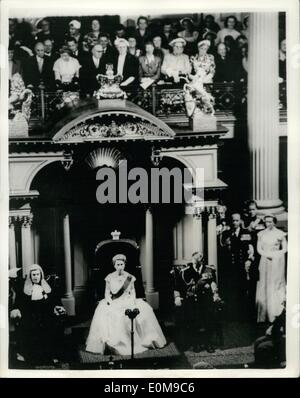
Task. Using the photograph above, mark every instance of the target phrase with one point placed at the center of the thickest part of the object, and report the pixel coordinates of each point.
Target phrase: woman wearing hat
(176, 64)
(110, 327)
(204, 61)
(74, 30)
(270, 292)
(36, 312)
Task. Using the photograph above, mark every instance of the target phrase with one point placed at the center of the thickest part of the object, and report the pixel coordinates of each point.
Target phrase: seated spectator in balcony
(108, 50)
(120, 33)
(45, 32)
(211, 37)
(66, 70)
(20, 43)
(245, 30)
(231, 46)
(224, 66)
(132, 46)
(74, 30)
(282, 61)
(150, 65)
(87, 43)
(204, 61)
(95, 29)
(25, 33)
(209, 26)
(38, 69)
(167, 35)
(158, 50)
(189, 34)
(142, 32)
(92, 66)
(241, 41)
(49, 51)
(229, 29)
(176, 64)
(126, 65)
(74, 49)
(14, 65)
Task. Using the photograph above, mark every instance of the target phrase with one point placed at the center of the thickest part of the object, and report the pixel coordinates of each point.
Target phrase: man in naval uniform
(240, 274)
(195, 296)
(254, 224)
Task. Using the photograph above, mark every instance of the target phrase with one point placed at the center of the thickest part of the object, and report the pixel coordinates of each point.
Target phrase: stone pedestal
(202, 122)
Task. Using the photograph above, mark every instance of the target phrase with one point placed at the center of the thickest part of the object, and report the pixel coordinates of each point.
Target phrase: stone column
(151, 294)
(12, 244)
(68, 300)
(27, 242)
(36, 247)
(197, 233)
(263, 110)
(212, 240)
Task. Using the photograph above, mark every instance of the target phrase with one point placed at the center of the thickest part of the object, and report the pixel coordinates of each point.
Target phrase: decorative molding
(101, 131)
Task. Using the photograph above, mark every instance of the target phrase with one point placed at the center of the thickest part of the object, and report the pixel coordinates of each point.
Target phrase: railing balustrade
(164, 101)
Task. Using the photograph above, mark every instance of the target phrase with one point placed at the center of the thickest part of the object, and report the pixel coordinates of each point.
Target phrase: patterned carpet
(237, 351)
(170, 351)
(230, 358)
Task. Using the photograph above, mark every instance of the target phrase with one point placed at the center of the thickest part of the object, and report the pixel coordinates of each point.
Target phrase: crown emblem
(109, 85)
(115, 235)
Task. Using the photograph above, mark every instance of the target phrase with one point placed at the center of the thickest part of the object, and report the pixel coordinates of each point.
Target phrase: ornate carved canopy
(109, 120)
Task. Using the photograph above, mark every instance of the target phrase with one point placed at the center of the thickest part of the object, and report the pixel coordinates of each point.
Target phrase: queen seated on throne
(110, 328)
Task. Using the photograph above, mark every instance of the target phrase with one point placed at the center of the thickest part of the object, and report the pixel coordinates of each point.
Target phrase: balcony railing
(165, 102)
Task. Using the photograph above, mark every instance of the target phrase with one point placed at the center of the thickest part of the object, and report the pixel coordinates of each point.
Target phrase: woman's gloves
(177, 301)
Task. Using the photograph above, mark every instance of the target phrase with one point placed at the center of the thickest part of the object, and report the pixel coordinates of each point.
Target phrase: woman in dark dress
(37, 313)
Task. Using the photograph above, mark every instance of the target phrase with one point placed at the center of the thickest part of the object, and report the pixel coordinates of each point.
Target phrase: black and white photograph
(150, 195)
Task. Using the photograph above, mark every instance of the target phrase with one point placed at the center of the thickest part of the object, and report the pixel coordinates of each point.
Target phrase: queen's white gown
(111, 328)
(271, 287)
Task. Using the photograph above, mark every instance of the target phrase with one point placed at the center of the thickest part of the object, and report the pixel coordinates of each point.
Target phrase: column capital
(11, 221)
(26, 221)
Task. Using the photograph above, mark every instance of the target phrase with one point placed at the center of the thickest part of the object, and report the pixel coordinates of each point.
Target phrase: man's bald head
(39, 49)
(236, 220)
(97, 50)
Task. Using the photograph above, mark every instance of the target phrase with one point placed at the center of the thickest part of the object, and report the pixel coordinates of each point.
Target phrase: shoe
(20, 358)
(55, 362)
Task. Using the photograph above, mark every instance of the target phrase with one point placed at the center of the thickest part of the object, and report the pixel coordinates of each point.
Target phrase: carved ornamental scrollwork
(113, 129)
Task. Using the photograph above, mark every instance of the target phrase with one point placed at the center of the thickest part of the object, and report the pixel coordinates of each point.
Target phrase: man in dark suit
(109, 51)
(126, 65)
(38, 69)
(72, 45)
(49, 51)
(92, 66)
(167, 34)
(240, 274)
